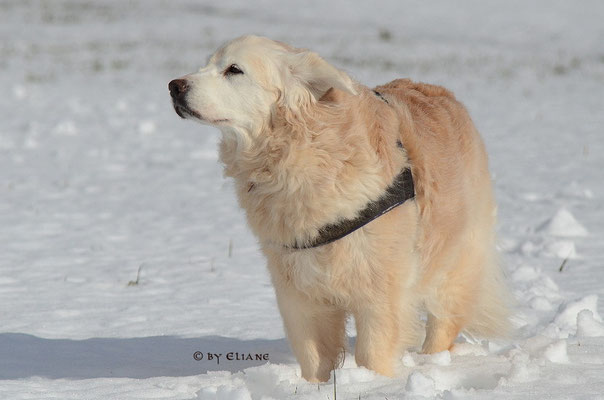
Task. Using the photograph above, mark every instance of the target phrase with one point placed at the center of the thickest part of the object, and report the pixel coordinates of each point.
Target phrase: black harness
(397, 193)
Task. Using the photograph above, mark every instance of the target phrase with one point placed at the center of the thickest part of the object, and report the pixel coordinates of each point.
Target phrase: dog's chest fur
(322, 275)
(325, 273)
(349, 271)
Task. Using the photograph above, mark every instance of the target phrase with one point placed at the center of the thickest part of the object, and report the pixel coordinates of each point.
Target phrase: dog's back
(457, 213)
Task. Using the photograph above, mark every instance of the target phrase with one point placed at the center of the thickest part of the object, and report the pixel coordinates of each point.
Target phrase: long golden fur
(323, 149)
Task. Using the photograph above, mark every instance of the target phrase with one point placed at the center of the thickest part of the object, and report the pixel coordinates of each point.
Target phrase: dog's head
(247, 79)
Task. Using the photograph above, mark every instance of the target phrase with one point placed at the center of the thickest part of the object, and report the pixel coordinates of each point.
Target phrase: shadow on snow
(23, 356)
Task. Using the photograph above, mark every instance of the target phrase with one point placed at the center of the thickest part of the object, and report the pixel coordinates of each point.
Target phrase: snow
(563, 224)
(556, 352)
(565, 322)
(124, 251)
(588, 326)
(420, 384)
(442, 358)
(408, 360)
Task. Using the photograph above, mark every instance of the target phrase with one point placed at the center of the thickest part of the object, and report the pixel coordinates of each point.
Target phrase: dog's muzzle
(178, 91)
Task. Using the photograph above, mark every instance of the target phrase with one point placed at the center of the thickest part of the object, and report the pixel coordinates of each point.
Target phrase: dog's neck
(308, 170)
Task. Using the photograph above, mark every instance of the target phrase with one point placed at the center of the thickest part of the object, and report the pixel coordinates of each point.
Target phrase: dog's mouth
(185, 112)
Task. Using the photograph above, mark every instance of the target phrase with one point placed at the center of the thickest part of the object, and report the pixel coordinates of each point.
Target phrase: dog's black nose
(178, 88)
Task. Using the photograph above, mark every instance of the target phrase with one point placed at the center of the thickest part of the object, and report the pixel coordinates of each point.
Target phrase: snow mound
(420, 384)
(566, 321)
(560, 249)
(465, 349)
(547, 247)
(563, 223)
(442, 358)
(526, 273)
(588, 325)
(349, 376)
(556, 352)
(522, 370)
(408, 360)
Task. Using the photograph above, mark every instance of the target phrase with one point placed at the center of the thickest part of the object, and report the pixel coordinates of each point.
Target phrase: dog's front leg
(316, 332)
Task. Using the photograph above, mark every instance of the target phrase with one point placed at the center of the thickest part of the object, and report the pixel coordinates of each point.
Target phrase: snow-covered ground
(99, 179)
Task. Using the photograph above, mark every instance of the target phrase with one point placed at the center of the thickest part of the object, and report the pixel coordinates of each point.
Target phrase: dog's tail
(491, 317)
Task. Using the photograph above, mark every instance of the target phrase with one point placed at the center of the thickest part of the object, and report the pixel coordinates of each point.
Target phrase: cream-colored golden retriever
(308, 148)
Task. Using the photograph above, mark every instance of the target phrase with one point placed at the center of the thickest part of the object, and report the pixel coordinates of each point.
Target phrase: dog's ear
(317, 75)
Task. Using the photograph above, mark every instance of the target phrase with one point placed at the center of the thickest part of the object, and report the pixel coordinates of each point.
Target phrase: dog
(310, 151)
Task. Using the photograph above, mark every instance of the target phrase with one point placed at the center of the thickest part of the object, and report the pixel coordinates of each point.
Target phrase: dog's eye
(233, 69)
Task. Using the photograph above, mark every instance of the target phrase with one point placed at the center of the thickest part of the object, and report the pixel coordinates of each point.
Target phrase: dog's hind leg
(441, 333)
(470, 297)
(384, 329)
(377, 338)
(450, 308)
